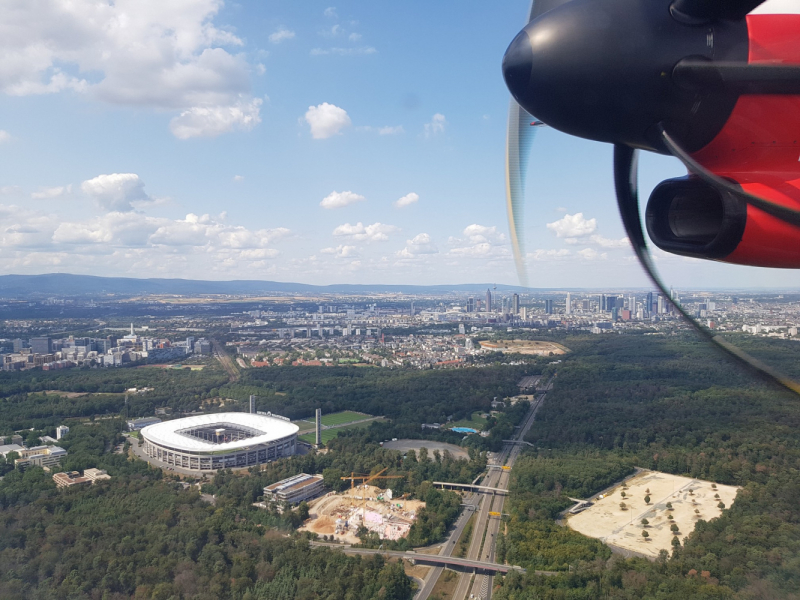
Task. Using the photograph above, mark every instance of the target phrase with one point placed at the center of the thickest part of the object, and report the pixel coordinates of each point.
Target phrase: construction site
(339, 515)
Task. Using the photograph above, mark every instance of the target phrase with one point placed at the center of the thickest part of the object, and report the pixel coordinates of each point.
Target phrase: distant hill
(64, 284)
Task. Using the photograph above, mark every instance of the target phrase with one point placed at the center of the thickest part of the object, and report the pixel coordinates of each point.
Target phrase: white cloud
(363, 50)
(591, 254)
(340, 199)
(4, 136)
(341, 251)
(354, 37)
(377, 232)
(238, 178)
(608, 243)
(780, 7)
(326, 120)
(389, 130)
(436, 126)
(420, 244)
(477, 234)
(116, 191)
(51, 192)
(407, 200)
(7, 190)
(281, 35)
(211, 121)
(129, 52)
(545, 255)
(573, 226)
(330, 12)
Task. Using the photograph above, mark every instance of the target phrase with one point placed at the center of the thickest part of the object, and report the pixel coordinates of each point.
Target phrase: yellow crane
(366, 480)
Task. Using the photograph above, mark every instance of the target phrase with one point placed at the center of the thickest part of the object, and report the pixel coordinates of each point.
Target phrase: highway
(486, 528)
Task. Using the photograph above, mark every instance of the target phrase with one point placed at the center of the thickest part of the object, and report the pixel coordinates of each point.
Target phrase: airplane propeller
(632, 74)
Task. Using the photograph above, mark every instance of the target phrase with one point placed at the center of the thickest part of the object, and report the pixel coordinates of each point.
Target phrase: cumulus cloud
(436, 126)
(51, 192)
(340, 199)
(354, 37)
(479, 241)
(477, 234)
(116, 191)
(4, 136)
(407, 200)
(591, 254)
(330, 12)
(211, 121)
(238, 178)
(420, 244)
(361, 51)
(138, 52)
(377, 232)
(573, 226)
(134, 243)
(608, 243)
(390, 130)
(326, 120)
(281, 36)
(545, 255)
(341, 251)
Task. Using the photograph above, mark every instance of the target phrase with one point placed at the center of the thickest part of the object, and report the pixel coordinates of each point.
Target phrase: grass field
(346, 416)
(329, 434)
(476, 421)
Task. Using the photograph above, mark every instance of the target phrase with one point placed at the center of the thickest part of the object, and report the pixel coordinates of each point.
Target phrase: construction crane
(366, 480)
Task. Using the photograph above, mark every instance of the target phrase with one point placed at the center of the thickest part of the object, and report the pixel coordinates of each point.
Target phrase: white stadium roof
(166, 433)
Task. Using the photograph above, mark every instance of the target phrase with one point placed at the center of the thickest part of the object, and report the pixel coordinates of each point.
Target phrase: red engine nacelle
(759, 148)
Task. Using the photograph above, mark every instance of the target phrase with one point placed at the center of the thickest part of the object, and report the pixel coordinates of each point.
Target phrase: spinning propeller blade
(521, 131)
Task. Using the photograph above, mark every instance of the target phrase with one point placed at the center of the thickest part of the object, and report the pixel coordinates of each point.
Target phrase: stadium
(220, 441)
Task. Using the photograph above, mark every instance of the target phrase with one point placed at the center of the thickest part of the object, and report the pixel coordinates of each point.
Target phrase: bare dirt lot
(691, 500)
(532, 347)
(405, 445)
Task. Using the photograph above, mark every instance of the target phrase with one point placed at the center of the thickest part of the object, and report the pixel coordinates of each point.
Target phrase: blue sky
(275, 140)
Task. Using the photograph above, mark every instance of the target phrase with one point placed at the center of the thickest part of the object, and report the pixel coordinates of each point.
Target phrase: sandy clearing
(607, 521)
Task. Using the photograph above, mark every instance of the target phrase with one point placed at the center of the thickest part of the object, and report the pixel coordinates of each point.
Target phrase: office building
(515, 304)
(548, 307)
(39, 456)
(568, 309)
(470, 305)
(488, 300)
(61, 431)
(41, 345)
(295, 489)
(69, 479)
(137, 424)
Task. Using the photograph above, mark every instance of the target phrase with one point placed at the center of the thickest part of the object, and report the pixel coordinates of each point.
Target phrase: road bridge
(472, 487)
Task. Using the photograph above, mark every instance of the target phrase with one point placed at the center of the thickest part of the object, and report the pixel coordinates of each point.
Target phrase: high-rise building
(470, 305)
(41, 345)
(661, 307)
(568, 310)
(515, 304)
(548, 307)
(523, 313)
(649, 307)
(602, 305)
(488, 300)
